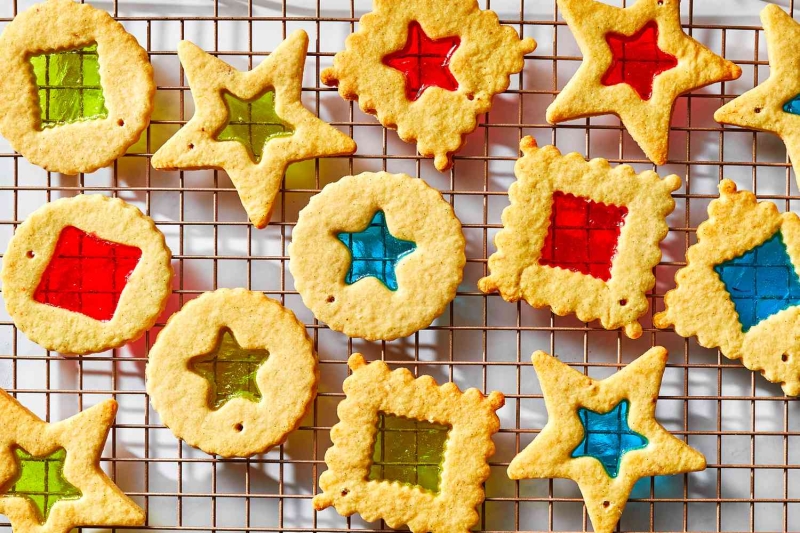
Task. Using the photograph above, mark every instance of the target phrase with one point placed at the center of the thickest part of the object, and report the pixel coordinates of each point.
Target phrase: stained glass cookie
(408, 451)
(636, 62)
(740, 289)
(581, 237)
(774, 105)
(603, 434)
(250, 124)
(232, 373)
(50, 475)
(378, 255)
(77, 90)
(86, 274)
(428, 69)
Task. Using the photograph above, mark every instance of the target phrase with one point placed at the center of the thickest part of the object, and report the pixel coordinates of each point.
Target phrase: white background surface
(747, 430)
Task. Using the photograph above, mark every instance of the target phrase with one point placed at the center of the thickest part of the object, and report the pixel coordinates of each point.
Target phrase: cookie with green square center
(77, 89)
(69, 86)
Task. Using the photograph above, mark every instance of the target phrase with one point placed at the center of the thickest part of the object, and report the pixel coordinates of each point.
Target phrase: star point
(774, 105)
(256, 110)
(50, 478)
(605, 471)
(674, 64)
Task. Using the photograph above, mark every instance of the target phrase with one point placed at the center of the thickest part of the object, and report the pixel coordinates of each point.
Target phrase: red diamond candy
(637, 60)
(87, 274)
(583, 235)
(424, 62)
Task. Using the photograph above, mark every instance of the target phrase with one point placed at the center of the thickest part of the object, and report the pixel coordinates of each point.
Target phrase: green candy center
(253, 123)
(42, 481)
(231, 370)
(409, 451)
(69, 86)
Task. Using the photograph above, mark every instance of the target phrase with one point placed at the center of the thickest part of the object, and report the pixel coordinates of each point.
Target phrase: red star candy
(424, 62)
(637, 60)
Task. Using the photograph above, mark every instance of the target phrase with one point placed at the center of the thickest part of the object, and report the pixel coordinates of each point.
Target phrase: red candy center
(424, 62)
(637, 60)
(87, 274)
(583, 235)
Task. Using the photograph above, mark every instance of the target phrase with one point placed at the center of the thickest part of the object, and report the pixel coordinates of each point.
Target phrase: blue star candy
(761, 282)
(607, 437)
(375, 252)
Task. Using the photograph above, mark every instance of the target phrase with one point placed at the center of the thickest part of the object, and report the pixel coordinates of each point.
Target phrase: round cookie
(45, 116)
(409, 287)
(86, 274)
(232, 373)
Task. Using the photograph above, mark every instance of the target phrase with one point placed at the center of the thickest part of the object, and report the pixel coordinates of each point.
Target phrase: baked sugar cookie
(408, 451)
(636, 62)
(77, 90)
(232, 373)
(378, 255)
(50, 475)
(86, 274)
(581, 237)
(740, 289)
(428, 68)
(603, 434)
(250, 124)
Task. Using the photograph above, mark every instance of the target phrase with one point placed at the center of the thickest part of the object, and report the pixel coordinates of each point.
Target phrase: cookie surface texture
(373, 393)
(426, 74)
(250, 124)
(774, 105)
(77, 90)
(378, 255)
(581, 237)
(583, 413)
(636, 62)
(739, 290)
(50, 475)
(232, 373)
(86, 274)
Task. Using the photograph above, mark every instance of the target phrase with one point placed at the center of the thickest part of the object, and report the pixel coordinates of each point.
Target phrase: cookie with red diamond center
(636, 62)
(427, 75)
(86, 274)
(581, 237)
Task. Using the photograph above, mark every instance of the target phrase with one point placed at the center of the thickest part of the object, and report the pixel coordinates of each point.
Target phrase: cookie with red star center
(427, 75)
(636, 62)
(86, 274)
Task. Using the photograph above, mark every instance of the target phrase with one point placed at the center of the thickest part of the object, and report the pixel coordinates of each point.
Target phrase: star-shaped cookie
(604, 454)
(50, 476)
(636, 62)
(250, 124)
(773, 105)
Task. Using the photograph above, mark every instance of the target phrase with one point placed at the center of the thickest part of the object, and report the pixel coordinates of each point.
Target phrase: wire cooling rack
(747, 429)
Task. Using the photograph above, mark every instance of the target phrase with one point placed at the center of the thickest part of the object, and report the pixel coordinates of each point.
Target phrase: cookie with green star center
(252, 125)
(77, 90)
(378, 255)
(232, 373)
(50, 475)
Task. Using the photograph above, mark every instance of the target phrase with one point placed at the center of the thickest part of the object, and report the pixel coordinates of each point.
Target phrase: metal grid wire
(743, 424)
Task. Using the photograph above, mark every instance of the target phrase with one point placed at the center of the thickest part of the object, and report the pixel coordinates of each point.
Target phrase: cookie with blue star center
(740, 288)
(603, 434)
(377, 256)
